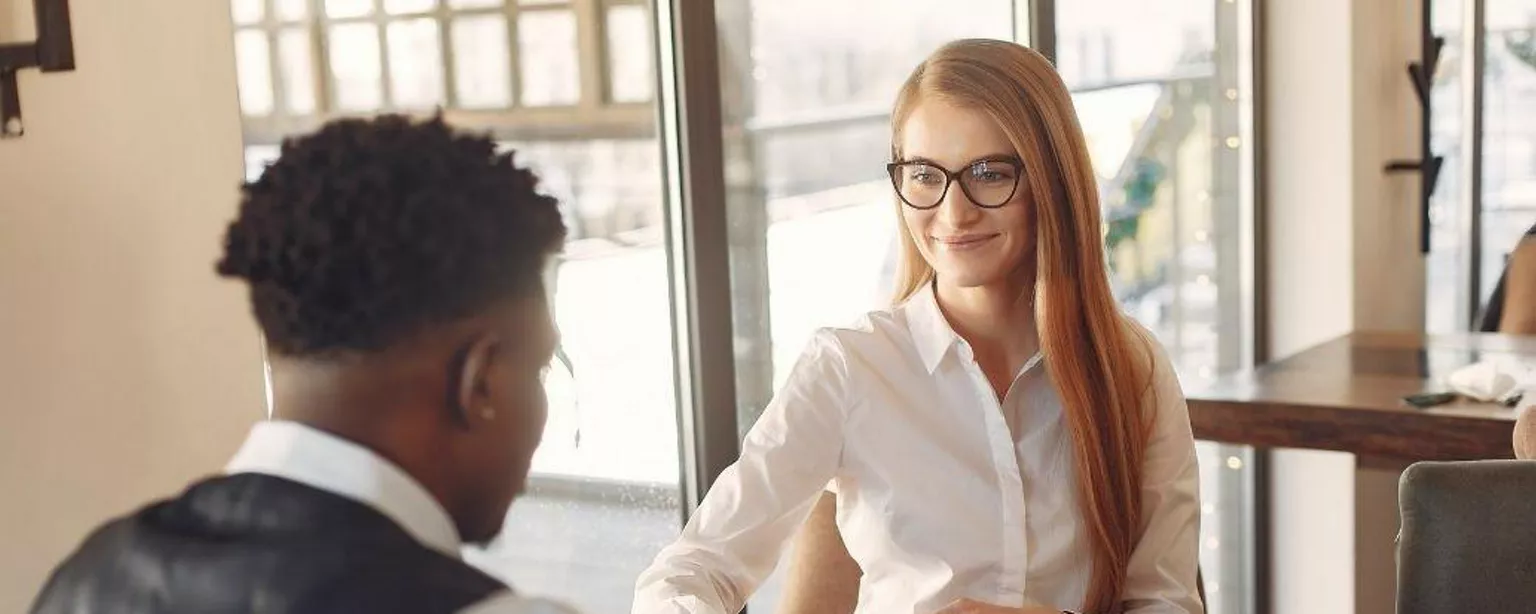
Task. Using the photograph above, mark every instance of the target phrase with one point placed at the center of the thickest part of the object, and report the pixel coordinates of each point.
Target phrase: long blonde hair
(1100, 368)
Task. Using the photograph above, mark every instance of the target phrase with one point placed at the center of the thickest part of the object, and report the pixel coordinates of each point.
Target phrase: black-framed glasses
(989, 182)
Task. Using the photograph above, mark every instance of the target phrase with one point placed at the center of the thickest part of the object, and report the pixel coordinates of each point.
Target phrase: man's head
(395, 270)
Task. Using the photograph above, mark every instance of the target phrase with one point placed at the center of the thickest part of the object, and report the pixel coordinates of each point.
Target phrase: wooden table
(1346, 395)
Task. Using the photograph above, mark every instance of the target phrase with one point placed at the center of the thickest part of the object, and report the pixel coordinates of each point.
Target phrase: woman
(1512, 306)
(1003, 440)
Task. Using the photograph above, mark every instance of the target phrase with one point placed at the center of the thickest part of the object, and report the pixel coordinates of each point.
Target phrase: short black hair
(368, 231)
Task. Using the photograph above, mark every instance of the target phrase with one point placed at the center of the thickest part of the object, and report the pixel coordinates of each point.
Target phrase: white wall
(126, 367)
(1343, 256)
(1307, 153)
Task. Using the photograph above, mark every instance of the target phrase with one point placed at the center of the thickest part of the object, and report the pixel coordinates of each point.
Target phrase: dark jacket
(259, 544)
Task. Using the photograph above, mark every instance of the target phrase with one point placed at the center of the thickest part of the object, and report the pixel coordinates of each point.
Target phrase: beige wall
(1343, 255)
(126, 367)
(1389, 270)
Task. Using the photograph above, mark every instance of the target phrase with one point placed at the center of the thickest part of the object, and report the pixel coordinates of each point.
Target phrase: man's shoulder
(509, 603)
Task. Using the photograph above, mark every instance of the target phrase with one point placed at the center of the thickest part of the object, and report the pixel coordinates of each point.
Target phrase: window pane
(297, 60)
(629, 54)
(254, 62)
(1445, 300)
(482, 62)
(604, 495)
(415, 64)
(1159, 105)
(341, 9)
(246, 12)
(258, 158)
(292, 10)
(400, 7)
(547, 56)
(813, 172)
(1509, 137)
(473, 4)
(356, 67)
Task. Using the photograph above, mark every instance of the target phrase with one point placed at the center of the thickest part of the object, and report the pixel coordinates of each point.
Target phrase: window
(807, 114)
(569, 86)
(1161, 96)
(1471, 238)
(544, 70)
(1445, 309)
(572, 85)
(1509, 136)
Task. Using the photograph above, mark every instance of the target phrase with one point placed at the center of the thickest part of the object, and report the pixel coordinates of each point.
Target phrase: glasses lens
(991, 183)
(920, 185)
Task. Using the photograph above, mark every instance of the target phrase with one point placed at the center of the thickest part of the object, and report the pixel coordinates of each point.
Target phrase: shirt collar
(930, 331)
(320, 460)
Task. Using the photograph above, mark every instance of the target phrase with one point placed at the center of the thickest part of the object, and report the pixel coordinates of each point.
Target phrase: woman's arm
(1520, 291)
(736, 536)
(823, 577)
(1161, 576)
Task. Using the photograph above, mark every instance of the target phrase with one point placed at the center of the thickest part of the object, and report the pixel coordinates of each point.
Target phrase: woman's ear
(472, 396)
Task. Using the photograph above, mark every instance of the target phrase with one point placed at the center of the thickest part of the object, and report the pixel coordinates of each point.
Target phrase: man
(395, 270)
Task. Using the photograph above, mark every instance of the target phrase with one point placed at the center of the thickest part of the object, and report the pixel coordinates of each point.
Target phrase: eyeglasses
(989, 182)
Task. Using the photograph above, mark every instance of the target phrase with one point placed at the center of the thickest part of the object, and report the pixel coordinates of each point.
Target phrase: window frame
(593, 115)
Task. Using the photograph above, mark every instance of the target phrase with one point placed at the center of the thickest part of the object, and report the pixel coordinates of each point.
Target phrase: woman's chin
(969, 278)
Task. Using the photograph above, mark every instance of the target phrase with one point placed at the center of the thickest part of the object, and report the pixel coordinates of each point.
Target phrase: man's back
(260, 543)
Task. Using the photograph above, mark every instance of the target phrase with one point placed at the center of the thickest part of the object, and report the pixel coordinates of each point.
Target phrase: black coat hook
(53, 51)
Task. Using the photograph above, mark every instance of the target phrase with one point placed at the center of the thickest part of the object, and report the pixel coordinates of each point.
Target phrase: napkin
(1486, 381)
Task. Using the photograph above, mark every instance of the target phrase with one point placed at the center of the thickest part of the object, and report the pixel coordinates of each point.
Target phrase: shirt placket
(1015, 555)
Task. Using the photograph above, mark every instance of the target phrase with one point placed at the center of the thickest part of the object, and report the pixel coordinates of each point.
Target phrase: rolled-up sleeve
(735, 538)
(1161, 576)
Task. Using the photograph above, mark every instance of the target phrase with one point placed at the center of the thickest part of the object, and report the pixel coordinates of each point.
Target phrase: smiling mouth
(964, 241)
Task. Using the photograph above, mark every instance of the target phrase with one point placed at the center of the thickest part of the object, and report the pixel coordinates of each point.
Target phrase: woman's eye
(924, 176)
(991, 173)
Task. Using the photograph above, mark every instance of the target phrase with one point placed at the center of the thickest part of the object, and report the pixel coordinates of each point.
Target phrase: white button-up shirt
(323, 461)
(943, 492)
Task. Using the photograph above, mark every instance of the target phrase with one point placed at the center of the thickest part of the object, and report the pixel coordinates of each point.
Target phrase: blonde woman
(1003, 439)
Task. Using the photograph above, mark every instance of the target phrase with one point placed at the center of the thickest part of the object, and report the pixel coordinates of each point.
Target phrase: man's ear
(472, 395)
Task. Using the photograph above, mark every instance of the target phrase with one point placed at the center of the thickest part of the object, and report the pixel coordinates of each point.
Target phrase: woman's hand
(971, 606)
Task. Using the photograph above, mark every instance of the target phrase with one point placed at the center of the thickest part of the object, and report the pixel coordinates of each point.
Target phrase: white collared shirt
(943, 492)
(323, 461)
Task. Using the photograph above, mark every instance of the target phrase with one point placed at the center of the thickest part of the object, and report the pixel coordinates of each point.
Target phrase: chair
(1468, 540)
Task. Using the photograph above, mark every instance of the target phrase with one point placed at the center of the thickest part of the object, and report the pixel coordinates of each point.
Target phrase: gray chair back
(1468, 540)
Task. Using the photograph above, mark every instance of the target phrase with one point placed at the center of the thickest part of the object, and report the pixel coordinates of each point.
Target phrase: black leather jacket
(259, 544)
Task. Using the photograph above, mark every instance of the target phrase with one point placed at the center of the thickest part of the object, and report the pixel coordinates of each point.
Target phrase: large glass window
(1468, 236)
(569, 86)
(1509, 136)
(1160, 93)
(807, 114)
(1444, 306)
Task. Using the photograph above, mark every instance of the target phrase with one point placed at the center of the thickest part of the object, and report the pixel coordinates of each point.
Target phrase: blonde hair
(1101, 369)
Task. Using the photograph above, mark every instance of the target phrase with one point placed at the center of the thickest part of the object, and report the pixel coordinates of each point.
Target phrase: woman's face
(980, 232)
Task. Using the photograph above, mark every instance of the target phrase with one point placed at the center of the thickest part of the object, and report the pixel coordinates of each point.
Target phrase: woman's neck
(997, 320)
